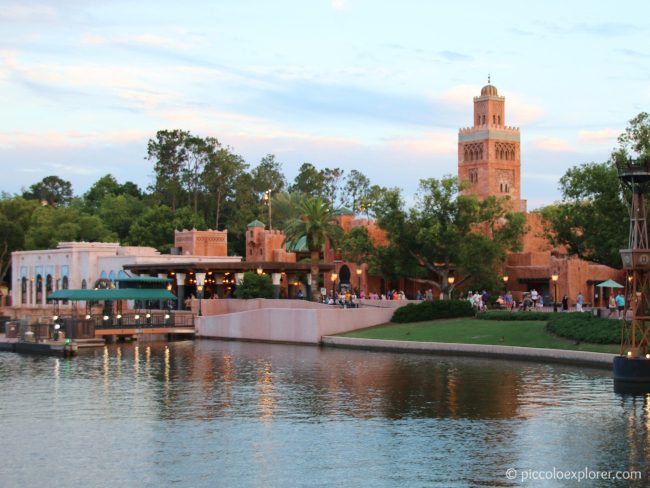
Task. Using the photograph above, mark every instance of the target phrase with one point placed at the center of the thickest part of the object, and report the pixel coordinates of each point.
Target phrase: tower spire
(488, 78)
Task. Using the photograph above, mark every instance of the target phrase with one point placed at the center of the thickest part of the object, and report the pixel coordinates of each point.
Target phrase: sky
(377, 86)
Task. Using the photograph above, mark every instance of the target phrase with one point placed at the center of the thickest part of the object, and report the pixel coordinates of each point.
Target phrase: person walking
(620, 303)
(565, 303)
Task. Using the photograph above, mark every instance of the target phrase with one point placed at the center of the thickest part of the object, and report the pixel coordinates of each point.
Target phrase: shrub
(584, 327)
(432, 310)
(504, 315)
(255, 286)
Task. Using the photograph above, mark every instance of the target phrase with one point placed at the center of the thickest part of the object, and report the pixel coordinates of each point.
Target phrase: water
(231, 414)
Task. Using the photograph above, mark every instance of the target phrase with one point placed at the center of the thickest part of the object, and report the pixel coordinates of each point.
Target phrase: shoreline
(579, 358)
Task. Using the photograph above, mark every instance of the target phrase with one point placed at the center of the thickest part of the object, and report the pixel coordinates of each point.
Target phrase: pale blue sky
(381, 87)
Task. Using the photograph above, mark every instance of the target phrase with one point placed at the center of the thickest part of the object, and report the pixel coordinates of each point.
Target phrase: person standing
(620, 303)
(612, 305)
(579, 302)
(565, 303)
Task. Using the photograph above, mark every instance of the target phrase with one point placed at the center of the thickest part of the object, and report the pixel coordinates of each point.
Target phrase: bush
(433, 310)
(255, 286)
(504, 315)
(584, 327)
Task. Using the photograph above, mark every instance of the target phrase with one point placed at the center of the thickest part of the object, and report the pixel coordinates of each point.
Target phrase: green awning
(143, 279)
(113, 294)
(609, 284)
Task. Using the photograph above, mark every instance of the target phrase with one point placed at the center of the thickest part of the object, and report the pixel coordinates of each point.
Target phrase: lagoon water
(230, 414)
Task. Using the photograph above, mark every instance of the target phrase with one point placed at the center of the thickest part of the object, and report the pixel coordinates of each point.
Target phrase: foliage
(169, 153)
(15, 215)
(107, 186)
(433, 310)
(584, 327)
(318, 225)
(155, 227)
(446, 231)
(51, 190)
(592, 219)
(356, 245)
(268, 175)
(119, 212)
(255, 286)
(356, 190)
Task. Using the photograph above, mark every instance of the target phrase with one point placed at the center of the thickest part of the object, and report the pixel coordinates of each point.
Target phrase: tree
(357, 189)
(220, 175)
(268, 175)
(155, 227)
(309, 181)
(15, 216)
(318, 225)
(255, 286)
(356, 245)
(169, 152)
(331, 183)
(119, 212)
(592, 220)
(198, 152)
(447, 231)
(108, 186)
(51, 190)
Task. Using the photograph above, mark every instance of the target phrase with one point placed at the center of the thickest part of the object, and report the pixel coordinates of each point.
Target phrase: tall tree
(15, 217)
(51, 190)
(155, 227)
(221, 172)
(108, 186)
(331, 183)
(356, 190)
(268, 175)
(170, 154)
(318, 225)
(198, 152)
(357, 246)
(309, 182)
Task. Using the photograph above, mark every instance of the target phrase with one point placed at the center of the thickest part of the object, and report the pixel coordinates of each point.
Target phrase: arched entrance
(344, 278)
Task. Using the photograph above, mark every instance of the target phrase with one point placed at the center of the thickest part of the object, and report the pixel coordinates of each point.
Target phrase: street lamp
(554, 278)
(333, 277)
(200, 282)
(450, 282)
(505, 282)
(260, 271)
(267, 200)
(359, 272)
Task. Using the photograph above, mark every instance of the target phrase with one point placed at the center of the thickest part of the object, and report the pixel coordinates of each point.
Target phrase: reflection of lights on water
(106, 368)
(266, 402)
(167, 364)
(136, 358)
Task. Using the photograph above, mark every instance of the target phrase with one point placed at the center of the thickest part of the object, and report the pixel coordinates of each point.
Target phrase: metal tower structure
(633, 364)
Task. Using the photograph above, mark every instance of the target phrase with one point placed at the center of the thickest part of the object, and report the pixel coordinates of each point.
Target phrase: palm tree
(318, 225)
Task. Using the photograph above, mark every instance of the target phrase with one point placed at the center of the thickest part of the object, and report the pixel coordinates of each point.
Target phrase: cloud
(19, 12)
(602, 136)
(454, 56)
(140, 39)
(430, 143)
(551, 144)
(68, 139)
(340, 4)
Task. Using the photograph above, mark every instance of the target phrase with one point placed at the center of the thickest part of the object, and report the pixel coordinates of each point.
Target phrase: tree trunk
(218, 210)
(315, 255)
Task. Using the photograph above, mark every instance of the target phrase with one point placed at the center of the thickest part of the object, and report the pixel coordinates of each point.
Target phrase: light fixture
(119, 316)
(260, 271)
(105, 317)
(148, 315)
(333, 277)
(359, 271)
(169, 287)
(166, 316)
(629, 354)
(57, 326)
(451, 279)
(505, 278)
(647, 356)
(554, 277)
(137, 317)
(55, 318)
(87, 317)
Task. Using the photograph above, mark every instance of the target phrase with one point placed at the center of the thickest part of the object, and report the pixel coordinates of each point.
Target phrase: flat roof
(113, 294)
(237, 267)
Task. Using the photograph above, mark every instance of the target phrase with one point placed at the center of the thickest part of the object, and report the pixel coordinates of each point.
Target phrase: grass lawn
(472, 331)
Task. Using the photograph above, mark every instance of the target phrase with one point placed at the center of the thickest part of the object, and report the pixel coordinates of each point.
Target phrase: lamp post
(267, 200)
(200, 282)
(505, 283)
(450, 283)
(359, 272)
(260, 271)
(554, 278)
(333, 277)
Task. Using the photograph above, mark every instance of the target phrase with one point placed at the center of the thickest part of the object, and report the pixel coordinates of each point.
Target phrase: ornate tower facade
(489, 152)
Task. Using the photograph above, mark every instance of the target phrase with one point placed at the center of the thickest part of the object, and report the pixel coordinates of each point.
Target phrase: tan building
(489, 159)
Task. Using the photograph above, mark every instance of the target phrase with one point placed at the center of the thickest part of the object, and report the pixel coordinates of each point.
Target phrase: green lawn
(472, 331)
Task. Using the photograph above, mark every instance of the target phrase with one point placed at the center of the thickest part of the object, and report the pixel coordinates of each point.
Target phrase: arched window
(499, 119)
(483, 119)
(478, 120)
(48, 285)
(23, 290)
(494, 119)
(39, 288)
(344, 275)
(84, 285)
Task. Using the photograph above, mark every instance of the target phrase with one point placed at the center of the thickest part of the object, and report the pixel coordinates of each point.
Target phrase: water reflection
(266, 415)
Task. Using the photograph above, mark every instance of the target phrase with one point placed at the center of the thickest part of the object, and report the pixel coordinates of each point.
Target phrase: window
(499, 118)
(84, 285)
(494, 119)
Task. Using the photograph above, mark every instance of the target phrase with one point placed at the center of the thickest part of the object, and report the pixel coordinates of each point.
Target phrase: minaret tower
(488, 152)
